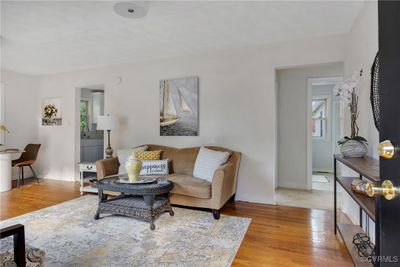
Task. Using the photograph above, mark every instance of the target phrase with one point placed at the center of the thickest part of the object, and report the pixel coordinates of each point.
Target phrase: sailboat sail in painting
(179, 107)
(168, 113)
(184, 107)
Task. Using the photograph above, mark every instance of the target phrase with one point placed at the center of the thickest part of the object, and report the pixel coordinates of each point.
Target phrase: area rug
(71, 237)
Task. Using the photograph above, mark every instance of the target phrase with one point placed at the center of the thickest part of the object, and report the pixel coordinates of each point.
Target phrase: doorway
(325, 130)
(295, 166)
(91, 106)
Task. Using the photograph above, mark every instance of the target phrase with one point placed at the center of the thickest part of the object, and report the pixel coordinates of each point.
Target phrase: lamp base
(109, 152)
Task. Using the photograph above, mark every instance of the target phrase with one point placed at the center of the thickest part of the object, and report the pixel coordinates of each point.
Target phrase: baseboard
(57, 179)
(29, 177)
(240, 198)
(292, 186)
(323, 170)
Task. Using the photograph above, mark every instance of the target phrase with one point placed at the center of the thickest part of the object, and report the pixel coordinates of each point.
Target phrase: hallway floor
(322, 181)
(320, 197)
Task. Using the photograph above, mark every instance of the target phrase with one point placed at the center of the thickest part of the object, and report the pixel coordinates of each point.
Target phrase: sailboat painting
(179, 107)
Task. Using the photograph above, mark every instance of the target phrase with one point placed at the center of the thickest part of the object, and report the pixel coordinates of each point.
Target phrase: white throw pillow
(207, 162)
(123, 155)
(154, 167)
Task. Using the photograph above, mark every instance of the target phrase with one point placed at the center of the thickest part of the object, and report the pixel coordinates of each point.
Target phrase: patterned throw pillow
(148, 155)
(154, 167)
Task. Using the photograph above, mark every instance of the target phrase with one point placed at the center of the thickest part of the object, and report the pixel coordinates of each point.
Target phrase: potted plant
(354, 146)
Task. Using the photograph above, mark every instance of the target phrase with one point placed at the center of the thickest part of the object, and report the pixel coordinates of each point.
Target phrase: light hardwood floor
(277, 236)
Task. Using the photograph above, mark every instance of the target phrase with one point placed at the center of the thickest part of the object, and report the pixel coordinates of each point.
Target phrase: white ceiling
(46, 37)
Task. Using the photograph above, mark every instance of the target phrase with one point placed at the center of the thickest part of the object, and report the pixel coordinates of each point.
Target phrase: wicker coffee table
(141, 201)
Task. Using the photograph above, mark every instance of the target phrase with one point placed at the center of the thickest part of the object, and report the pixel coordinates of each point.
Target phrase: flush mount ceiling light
(133, 10)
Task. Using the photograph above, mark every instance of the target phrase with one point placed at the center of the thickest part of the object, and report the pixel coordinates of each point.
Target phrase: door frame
(2, 110)
(310, 83)
(77, 120)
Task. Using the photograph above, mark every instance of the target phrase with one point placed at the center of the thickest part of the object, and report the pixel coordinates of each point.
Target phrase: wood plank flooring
(34, 196)
(277, 236)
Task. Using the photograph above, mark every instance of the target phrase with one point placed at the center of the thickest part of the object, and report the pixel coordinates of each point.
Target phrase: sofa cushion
(190, 186)
(154, 168)
(167, 152)
(148, 155)
(183, 161)
(207, 162)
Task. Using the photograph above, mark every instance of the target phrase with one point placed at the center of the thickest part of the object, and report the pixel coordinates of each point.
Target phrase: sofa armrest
(223, 184)
(107, 167)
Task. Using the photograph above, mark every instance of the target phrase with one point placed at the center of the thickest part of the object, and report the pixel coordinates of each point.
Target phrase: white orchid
(349, 98)
(346, 88)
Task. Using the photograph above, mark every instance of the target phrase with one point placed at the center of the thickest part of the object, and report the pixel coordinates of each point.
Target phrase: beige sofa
(188, 190)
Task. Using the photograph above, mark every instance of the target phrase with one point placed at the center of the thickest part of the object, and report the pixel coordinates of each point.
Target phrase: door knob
(386, 149)
(386, 189)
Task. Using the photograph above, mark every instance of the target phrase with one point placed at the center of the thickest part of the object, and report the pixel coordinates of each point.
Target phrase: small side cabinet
(87, 172)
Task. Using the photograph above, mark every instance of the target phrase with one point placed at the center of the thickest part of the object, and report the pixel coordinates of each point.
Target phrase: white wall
(21, 105)
(292, 121)
(361, 48)
(237, 106)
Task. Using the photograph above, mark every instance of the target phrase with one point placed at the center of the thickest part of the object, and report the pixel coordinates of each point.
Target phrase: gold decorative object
(386, 189)
(386, 149)
(359, 186)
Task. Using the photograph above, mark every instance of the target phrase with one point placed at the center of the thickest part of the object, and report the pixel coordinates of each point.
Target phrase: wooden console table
(367, 168)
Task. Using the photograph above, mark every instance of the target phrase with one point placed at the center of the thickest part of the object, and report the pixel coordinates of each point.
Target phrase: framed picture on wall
(179, 107)
(51, 111)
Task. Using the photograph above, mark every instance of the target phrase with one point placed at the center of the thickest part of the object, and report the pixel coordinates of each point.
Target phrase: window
(84, 115)
(319, 118)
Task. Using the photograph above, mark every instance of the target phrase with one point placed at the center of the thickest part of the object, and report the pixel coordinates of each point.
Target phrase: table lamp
(107, 123)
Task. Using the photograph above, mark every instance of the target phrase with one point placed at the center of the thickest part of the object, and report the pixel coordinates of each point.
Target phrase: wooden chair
(27, 159)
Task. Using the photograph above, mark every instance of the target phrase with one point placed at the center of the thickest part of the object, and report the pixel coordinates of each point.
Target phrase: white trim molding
(310, 83)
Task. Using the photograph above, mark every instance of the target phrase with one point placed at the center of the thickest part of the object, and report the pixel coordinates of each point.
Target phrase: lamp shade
(107, 122)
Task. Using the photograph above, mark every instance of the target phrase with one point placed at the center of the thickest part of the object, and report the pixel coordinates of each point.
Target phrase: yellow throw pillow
(148, 155)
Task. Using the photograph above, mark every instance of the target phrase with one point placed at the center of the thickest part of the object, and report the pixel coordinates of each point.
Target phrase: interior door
(388, 211)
